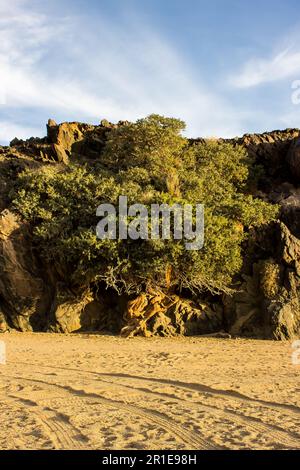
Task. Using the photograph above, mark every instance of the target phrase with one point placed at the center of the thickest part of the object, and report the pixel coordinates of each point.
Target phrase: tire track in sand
(273, 432)
(61, 433)
(189, 438)
(201, 388)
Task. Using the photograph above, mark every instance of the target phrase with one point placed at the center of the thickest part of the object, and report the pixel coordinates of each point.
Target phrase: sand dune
(104, 392)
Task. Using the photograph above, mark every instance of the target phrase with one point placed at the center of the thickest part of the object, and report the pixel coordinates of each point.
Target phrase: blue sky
(226, 67)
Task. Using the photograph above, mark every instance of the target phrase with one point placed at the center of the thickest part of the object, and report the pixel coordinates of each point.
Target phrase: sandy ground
(103, 392)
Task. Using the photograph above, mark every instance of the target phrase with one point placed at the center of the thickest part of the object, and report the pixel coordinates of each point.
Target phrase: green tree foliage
(150, 162)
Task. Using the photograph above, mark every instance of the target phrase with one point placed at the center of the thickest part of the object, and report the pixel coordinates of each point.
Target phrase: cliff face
(35, 296)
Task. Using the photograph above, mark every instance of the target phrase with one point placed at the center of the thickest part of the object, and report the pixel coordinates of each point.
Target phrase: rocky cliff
(266, 299)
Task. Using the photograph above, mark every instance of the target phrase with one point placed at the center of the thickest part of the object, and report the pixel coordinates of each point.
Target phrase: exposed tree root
(155, 313)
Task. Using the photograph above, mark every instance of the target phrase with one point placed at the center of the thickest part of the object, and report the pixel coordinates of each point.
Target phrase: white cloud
(258, 71)
(15, 130)
(291, 118)
(58, 65)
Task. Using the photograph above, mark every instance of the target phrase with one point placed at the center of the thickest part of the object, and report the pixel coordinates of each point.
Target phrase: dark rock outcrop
(271, 150)
(25, 296)
(68, 310)
(154, 313)
(293, 159)
(266, 301)
(64, 140)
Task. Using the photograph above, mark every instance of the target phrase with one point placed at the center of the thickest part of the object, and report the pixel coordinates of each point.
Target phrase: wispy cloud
(11, 129)
(258, 71)
(48, 65)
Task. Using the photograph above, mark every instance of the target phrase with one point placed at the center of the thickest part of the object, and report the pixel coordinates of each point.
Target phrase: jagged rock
(61, 154)
(106, 123)
(76, 138)
(155, 313)
(68, 310)
(290, 211)
(3, 323)
(80, 311)
(15, 142)
(51, 131)
(284, 315)
(63, 137)
(267, 303)
(270, 150)
(293, 159)
(289, 248)
(51, 123)
(25, 296)
(287, 196)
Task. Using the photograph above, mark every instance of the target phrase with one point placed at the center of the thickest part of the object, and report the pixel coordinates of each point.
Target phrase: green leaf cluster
(149, 161)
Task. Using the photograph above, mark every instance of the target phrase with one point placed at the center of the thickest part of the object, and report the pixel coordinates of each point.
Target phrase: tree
(150, 162)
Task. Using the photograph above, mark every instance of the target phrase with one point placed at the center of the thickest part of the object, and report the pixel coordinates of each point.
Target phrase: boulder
(76, 310)
(67, 312)
(67, 138)
(62, 137)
